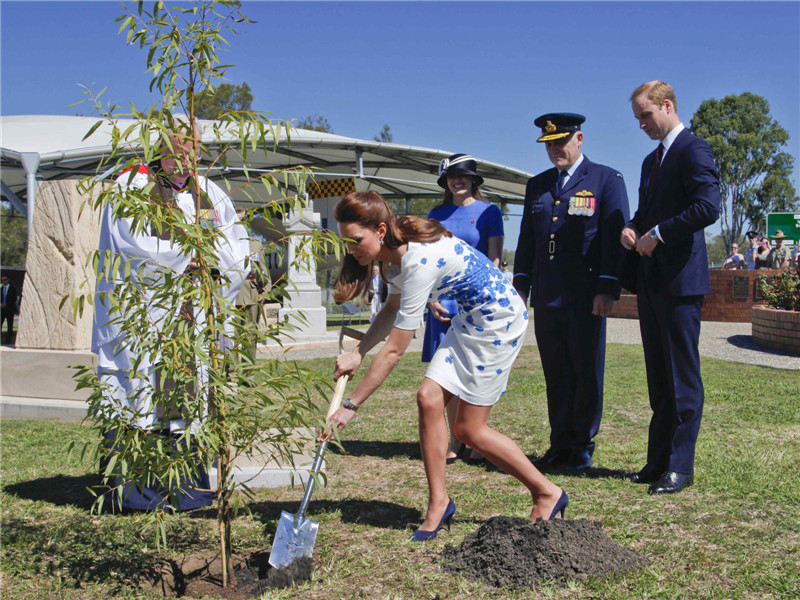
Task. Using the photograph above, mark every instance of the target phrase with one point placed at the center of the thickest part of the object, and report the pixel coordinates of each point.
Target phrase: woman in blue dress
(480, 224)
(427, 264)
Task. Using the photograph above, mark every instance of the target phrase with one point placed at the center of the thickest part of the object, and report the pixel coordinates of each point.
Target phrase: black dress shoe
(552, 459)
(671, 482)
(646, 475)
(579, 460)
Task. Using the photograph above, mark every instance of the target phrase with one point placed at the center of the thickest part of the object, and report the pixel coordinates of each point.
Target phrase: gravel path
(726, 341)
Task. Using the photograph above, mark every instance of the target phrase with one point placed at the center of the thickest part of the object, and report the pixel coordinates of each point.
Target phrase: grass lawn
(735, 534)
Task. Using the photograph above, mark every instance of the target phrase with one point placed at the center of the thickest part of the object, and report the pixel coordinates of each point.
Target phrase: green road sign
(788, 223)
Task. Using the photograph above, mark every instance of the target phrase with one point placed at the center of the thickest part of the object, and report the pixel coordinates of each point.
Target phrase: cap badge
(549, 127)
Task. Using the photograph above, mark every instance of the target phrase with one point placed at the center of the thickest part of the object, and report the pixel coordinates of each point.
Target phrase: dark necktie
(562, 180)
(655, 167)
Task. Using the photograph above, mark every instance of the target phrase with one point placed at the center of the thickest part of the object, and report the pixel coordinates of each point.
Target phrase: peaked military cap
(556, 126)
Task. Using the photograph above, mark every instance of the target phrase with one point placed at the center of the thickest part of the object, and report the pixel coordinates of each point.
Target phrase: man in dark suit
(678, 197)
(568, 259)
(8, 308)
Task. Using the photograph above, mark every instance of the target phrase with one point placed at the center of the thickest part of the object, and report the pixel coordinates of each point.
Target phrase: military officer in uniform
(568, 262)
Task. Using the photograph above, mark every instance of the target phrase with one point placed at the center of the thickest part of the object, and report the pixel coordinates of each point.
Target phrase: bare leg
(451, 406)
(433, 442)
(474, 454)
(502, 451)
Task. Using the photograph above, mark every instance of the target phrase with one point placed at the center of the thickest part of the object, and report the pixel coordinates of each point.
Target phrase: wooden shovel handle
(338, 392)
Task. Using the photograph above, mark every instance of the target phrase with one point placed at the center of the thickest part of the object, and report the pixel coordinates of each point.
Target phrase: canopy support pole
(30, 162)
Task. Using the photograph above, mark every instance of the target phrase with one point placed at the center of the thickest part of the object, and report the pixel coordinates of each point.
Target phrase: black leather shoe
(552, 459)
(647, 475)
(579, 460)
(671, 482)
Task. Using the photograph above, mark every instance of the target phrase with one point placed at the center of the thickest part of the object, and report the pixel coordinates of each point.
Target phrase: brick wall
(731, 299)
(777, 329)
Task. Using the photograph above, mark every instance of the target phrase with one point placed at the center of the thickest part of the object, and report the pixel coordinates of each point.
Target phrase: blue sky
(458, 76)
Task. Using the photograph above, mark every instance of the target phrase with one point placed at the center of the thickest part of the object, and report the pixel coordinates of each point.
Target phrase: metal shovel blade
(296, 534)
(294, 538)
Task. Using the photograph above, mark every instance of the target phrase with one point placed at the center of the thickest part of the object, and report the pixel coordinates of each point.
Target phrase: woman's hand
(339, 420)
(347, 363)
(438, 311)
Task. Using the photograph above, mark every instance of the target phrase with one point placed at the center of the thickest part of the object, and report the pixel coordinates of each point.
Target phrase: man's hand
(646, 244)
(438, 311)
(603, 304)
(629, 238)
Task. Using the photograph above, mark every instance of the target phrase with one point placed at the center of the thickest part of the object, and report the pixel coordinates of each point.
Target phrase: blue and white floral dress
(475, 358)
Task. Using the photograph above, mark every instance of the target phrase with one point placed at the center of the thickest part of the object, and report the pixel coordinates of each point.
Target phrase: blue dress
(474, 224)
(486, 334)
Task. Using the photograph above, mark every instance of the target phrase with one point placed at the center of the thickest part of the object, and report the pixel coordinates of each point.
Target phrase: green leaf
(92, 129)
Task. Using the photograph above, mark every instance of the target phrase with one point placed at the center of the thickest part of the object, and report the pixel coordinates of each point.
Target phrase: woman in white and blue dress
(468, 217)
(424, 263)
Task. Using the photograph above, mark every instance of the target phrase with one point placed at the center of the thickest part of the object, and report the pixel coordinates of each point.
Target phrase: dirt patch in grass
(200, 574)
(515, 553)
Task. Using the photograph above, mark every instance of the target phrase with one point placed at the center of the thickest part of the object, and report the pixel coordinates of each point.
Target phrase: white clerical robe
(149, 257)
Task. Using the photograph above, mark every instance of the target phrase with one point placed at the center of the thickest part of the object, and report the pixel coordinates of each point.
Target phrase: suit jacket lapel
(554, 183)
(650, 188)
(574, 180)
(578, 176)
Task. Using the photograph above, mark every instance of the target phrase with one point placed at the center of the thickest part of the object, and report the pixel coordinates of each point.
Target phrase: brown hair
(369, 210)
(656, 91)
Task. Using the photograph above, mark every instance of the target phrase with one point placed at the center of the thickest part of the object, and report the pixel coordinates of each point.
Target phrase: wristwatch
(349, 405)
(653, 235)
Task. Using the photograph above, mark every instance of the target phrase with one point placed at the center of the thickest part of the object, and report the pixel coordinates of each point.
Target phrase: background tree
(315, 123)
(14, 239)
(717, 252)
(754, 170)
(384, 135)
(226, 97)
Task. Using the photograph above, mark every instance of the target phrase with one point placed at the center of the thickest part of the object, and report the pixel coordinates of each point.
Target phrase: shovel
(296, 534)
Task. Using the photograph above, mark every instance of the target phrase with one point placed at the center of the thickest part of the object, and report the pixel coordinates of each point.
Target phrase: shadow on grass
(78, 549)
(589, 473)
(374, 513)
(61, 490)
(379, 449)
(410, 450)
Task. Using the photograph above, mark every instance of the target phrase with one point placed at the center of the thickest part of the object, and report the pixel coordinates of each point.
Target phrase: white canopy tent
(37, 148)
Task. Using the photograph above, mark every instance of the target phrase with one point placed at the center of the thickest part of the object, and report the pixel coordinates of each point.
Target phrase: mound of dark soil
(516, 553)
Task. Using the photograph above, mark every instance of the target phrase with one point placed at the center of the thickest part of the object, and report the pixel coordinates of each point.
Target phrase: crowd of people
(762, 255)
(577, 248)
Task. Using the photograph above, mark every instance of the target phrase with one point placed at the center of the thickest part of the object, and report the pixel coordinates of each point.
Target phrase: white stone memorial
(303, 305)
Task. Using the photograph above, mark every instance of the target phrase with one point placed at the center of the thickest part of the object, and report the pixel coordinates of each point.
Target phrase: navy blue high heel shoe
(561, 506)
(423, 536)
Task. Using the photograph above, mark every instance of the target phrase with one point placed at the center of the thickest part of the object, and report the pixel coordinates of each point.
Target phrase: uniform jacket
(568, 249)
(684, 200)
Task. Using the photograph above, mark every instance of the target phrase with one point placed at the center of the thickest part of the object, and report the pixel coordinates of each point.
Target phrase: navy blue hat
(558, 125)
(458, 164)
